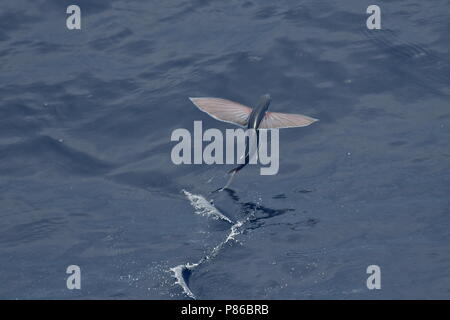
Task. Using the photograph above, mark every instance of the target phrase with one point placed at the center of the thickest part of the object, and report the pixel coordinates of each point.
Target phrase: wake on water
(205, 208)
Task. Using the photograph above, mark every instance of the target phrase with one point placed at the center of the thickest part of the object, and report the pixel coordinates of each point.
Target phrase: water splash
(182, 272)
(178, 274)
(204, 207)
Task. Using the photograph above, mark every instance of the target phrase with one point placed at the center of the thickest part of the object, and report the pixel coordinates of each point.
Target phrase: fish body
(258, 113)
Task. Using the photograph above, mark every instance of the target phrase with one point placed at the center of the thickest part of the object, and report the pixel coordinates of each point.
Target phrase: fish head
(264, 101)
(261, 109)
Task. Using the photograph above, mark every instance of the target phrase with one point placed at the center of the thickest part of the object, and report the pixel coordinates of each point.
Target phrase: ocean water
(86, 176)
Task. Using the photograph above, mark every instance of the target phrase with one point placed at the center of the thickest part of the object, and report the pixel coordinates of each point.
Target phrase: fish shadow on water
(255, 212)
(258, 214)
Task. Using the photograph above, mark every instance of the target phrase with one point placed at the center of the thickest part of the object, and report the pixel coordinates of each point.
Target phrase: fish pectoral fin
(224, 110)
(273, 120)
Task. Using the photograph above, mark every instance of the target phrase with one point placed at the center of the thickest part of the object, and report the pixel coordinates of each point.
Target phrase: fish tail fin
(232, 172)
(237, 169)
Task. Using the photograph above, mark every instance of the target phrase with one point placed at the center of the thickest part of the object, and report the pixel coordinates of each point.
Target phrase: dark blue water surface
(86, 176)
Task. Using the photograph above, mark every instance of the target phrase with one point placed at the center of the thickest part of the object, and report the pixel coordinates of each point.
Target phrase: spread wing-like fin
(223, 110)
(274, 120)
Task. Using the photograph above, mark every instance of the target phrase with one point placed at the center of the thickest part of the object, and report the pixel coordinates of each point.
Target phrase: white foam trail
(204, 207)
(234, 230)
(178, 270)
(178, 274)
